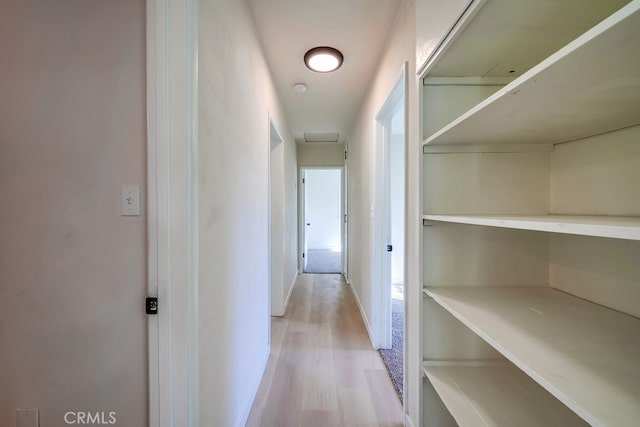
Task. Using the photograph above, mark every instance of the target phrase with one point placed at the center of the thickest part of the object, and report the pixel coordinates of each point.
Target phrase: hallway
(322, 370)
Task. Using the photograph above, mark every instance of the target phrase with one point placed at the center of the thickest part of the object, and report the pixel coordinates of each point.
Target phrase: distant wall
(320, 155)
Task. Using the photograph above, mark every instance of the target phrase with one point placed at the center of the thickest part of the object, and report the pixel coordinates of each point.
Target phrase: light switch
(130, 200)
(27, 417)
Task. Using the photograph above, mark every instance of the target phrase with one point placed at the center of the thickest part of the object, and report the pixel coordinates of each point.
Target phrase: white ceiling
(288, 28)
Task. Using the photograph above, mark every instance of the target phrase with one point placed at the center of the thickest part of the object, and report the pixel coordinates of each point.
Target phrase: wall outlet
(28, 417)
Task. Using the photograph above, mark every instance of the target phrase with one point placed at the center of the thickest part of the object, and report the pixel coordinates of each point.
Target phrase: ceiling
(288, 28)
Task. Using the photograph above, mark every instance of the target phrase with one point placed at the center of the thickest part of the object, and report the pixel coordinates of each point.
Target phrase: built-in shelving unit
(616, 227)
(531, 214)
(497, 396)
(566, 97)
(584, 354)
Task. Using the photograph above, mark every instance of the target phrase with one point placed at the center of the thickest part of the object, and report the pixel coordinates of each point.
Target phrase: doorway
(389, 232)
(322, 220)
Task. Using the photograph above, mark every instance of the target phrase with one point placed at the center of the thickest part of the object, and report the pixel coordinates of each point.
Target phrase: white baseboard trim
(408, 422)
(254, 384)
(363, 314)
(286, 301)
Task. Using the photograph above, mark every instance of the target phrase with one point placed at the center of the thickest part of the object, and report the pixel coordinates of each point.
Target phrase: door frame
(172, 214)
(275, 262)
(301, 223)
(345, 212)
(381, 224)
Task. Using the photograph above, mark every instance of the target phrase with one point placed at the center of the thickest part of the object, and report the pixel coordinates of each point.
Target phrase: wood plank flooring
(322, 370)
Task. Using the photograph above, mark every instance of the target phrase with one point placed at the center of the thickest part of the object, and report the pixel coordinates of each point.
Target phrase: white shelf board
(586, 355)
(497, 396)
(590, 86)
(617, 227)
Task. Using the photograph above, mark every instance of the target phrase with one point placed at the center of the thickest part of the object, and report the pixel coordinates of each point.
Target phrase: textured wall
(236, 101)
(400, 48)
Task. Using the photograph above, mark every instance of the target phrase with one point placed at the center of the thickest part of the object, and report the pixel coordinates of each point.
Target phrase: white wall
(435, 18)
(72, 132)
(236, 100)
(290, 220)
(284, 232)
(323, 202)
(320, 154)
(599, 175)
(400, 49)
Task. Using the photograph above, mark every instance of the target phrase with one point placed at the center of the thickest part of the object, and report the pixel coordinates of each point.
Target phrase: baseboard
(286, 301)
(363, 314)
(408, 422)
(254, 384)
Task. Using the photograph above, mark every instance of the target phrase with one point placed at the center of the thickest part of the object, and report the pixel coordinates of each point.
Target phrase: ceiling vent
(321, 137)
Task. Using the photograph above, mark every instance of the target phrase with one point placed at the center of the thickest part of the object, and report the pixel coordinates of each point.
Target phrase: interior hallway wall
(400, 49)
(236, 100)
(320, 154)
(284, 233)
(73, 270)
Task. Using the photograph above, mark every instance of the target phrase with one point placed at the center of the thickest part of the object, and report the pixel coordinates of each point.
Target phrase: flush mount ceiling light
(323, 59)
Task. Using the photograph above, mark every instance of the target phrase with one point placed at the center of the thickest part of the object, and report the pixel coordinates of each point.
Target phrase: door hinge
(346, 154)
(151, 305)
(345, 218)
(389, 248)
(303, 180)
(302, 254)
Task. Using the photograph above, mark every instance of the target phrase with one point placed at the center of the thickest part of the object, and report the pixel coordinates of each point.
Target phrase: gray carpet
(323, 261)
(393, 357)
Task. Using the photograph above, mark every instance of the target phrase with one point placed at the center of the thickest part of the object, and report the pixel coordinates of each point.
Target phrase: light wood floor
(322, 370)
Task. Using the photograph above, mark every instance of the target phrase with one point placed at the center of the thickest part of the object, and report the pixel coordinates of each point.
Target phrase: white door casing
(345, 212)
(381, 224)
(303, 216)
(172, 220)
(304, 211)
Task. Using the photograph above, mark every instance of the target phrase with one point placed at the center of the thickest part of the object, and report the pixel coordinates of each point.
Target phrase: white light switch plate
(27, 417)
(130, 200)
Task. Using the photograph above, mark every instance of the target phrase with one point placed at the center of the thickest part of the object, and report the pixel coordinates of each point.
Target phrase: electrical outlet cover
(27, 417)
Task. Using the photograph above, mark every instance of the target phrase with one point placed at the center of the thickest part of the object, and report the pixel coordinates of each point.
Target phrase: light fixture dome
(323, 59)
